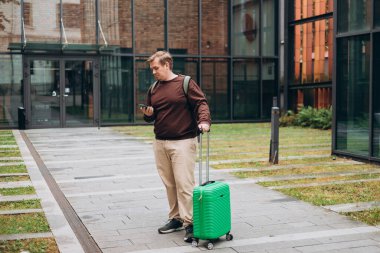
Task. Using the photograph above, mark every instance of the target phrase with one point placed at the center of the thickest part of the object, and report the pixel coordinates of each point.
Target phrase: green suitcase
(211, 207)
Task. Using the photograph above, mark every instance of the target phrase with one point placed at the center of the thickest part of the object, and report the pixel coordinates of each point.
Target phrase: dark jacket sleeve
(198, 101)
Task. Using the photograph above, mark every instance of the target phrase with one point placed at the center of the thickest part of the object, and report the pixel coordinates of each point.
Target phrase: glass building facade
(75, 63)
(357, 86)
(310, 33)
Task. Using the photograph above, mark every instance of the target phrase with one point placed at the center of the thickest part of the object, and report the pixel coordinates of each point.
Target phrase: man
(177, 117)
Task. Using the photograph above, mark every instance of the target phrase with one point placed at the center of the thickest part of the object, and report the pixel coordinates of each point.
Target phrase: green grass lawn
(311, 147)
(23, 223)
(39, 245)
(20, 223)
(21, 168)
(23, 204)
(17, 191)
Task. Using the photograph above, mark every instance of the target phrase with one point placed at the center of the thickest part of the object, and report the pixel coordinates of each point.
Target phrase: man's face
(160, 72)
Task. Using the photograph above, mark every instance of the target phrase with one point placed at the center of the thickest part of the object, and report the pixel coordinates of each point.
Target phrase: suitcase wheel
(210, 245)
(229, 237)
(195, 242)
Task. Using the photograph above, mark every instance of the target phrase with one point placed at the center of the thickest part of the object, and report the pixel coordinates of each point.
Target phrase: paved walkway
(111, 182)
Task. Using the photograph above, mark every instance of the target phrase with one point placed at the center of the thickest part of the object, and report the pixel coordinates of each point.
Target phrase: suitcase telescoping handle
(207, 158)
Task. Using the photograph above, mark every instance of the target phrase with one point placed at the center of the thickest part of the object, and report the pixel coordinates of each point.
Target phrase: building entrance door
(61, 92)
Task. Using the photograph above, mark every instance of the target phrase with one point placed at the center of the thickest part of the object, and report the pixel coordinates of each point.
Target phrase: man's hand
(204, 127)
(148, 111)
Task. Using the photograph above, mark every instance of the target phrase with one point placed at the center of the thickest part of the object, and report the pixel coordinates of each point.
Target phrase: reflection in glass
(10, 29)
(268, 75)
(376, 94)
(116, 89)
(183, 27)
(268, 28)
(45, 93)
(149, 25)
(376, 15)
(353, 61)
(116, 22)
(144, 78)
(310, 8)
(215, 85)
(78, 93)
(186, 66)
(10, 89)
(246, 23)
(36, 26)
(215, 27)
(313, 44)
(353, 15)
(246, 90)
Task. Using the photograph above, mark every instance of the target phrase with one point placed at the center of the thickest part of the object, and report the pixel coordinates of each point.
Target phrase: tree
(2, 15)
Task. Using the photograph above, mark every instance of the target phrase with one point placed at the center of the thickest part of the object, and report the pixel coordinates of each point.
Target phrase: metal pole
(275, 124)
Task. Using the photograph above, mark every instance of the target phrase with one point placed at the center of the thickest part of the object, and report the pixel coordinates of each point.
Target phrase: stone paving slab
(15, 184)
(13, 147)
(12, 175)
(353, 207)
(64, 236)
(21, 211)
(25, 236)
(325, 183)
(122, 203)
(2, 159)
(266, 159)
(18, 197)
(11, 163)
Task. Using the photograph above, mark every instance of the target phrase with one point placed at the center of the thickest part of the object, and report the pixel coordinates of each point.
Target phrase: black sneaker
(171, 226)
(189, 234)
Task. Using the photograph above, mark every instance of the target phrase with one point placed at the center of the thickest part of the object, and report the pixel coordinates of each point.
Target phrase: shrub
(288, 119)
(308, 117)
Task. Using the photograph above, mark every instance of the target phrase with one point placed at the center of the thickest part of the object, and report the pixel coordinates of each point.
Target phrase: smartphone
(142, 106)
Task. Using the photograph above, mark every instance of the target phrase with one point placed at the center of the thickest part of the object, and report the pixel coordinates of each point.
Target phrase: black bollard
(274, 139)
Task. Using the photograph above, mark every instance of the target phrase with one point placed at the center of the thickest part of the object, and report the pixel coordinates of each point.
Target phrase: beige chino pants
(175, 161)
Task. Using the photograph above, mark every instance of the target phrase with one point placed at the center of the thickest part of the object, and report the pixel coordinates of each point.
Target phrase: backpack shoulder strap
(186, 84)
(152, 86)
(186, 81)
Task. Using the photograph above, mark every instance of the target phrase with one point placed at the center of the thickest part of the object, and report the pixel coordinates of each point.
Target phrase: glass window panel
(353, 15)
(376, 94)
(186, 66)
(312, 52)
(376, 15)
(116, 90)
(10, 30)
(215, 27)
(246, 89)
(149, 25)
(183, 27)
(215, 85)
(300, 9)
(144, 78)
(42, 26)
(10, 89)
(269, 77)
(116, 22)
(353, 67)
(79, 93)
(246, 24)
(44, 93)
(269, 40)
(79, 20)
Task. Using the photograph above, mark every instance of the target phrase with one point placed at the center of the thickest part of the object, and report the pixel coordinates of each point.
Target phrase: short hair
(163, 57)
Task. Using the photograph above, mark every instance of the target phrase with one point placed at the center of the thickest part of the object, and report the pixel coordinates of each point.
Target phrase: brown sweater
(173, 117)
